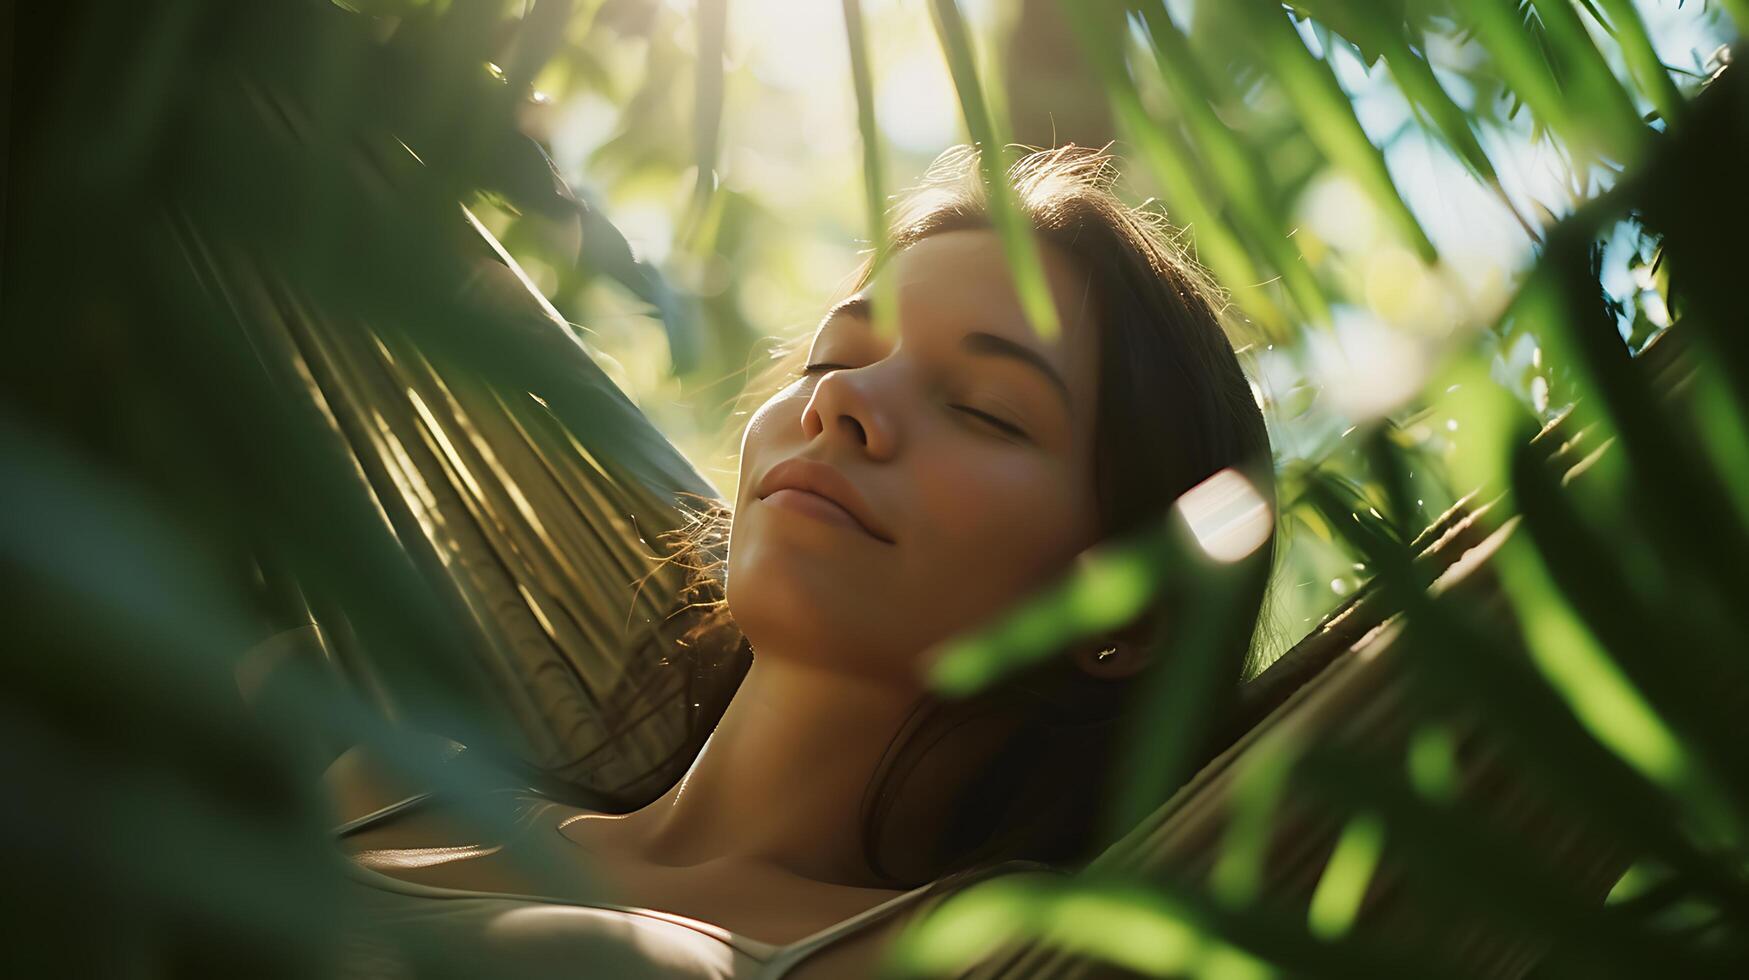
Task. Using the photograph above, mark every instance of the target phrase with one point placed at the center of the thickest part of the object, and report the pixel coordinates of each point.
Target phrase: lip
(816, 478)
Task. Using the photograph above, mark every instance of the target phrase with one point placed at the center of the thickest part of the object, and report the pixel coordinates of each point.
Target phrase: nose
(843, 407)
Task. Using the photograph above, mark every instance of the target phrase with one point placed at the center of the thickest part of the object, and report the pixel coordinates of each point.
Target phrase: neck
(781, 779)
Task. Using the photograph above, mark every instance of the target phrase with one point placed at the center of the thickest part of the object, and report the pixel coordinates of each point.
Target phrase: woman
(900, 489)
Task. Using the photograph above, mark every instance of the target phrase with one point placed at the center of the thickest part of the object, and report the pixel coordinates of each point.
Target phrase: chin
(796, 610)
(795, 567)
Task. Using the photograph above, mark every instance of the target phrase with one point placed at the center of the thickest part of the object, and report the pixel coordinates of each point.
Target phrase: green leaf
(707, 120)
(1336, 900)
(1311, 87)
(1390, 39)
(885, 305)
(1258, 792)
(1130, 927)
(1648, 69)
(1107, 588)
(1236, 167)
(1606, 665)
(1189, 187)
(1591, 82)
(1465, 862)
(1499, 27)
(1025, 262)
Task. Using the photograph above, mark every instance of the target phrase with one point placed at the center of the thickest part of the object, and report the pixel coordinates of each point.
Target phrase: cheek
(1002, 522)
(780, 414)
(759, 569)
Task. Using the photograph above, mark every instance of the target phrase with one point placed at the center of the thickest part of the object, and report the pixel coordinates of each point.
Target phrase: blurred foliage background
(1442, 225)
(1349, 334)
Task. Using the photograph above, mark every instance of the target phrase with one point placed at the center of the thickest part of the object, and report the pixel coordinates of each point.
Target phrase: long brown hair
(1174, 408)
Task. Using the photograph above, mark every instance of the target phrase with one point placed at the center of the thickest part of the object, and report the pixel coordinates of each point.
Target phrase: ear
(1115, 656)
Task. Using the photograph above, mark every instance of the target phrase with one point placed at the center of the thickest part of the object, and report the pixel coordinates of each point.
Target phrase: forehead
(959, 280)
(966, 270)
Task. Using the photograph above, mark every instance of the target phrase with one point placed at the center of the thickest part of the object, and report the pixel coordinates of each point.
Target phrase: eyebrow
(976, 342)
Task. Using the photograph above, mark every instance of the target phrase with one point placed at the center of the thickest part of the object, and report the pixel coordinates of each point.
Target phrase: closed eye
(1001, 425)
(1005, 426)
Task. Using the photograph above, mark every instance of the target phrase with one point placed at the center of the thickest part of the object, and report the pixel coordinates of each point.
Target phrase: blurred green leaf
(1336, 901)
(1648, 69)
(1106, 589)
(707, 122)
(1500, 26)
(1233, 164)
(1170, 159)
(884, 309)
(1309, 84)
(1024, 260)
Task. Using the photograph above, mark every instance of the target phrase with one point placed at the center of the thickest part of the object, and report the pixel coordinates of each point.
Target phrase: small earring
(1105, 654)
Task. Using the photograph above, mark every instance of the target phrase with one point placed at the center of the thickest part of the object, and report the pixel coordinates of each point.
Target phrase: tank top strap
(788, 957)
(382, 815)
(444, 751)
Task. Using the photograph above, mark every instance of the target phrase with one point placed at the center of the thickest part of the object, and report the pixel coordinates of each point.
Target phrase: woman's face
(964, 443)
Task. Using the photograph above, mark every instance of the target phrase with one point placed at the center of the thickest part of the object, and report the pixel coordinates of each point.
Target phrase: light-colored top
(503, 935)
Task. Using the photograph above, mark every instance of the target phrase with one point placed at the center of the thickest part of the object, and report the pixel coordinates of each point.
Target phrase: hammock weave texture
(543, 538)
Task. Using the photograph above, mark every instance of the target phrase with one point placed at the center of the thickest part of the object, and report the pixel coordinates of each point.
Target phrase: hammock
(543, 538)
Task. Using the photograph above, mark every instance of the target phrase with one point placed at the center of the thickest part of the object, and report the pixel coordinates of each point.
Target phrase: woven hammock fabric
(542, 538)
(1359, 702)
